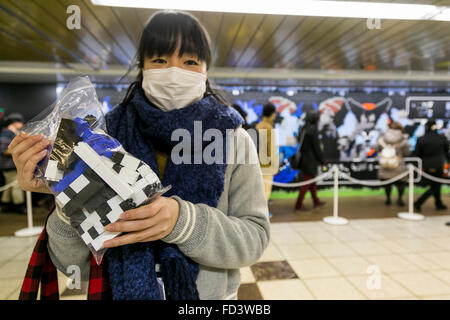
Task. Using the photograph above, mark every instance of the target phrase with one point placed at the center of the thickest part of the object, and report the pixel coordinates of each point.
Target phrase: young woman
(213, 221)
(311, 159)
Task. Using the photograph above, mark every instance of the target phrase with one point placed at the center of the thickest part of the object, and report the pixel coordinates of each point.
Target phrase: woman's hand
(147, 223)
(27, 151)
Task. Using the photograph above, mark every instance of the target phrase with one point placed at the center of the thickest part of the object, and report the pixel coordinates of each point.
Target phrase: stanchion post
(410, 215)
(335, 219)
(30, 230)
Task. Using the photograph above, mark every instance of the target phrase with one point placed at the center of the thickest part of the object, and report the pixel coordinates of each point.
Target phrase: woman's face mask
(173, 88)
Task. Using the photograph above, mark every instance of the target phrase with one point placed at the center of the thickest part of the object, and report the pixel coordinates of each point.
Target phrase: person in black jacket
(433, 149)
(311, 158)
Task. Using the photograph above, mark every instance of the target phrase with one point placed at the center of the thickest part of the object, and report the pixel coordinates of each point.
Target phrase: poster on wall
(350, 123)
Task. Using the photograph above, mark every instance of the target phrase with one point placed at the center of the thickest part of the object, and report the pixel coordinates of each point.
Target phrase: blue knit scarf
(141, 128)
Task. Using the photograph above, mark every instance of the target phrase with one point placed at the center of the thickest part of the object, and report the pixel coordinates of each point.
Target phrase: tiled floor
(366, 259)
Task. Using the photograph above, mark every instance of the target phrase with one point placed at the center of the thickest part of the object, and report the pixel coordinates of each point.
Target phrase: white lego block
(114, 214)
(79, 184)
(63, 199)
(140, 185)
(85, 212)
(152, 178)
(93, 220)
(93, 160)
(130, 162)
(86, 238)
(139, 197)
(52, 172)
(107, 161)
(129, 176)
(99, 228)
(144, 170)
(97, 244)
(114, 202)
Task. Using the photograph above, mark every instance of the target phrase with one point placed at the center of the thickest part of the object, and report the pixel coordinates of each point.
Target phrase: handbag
(295, 160)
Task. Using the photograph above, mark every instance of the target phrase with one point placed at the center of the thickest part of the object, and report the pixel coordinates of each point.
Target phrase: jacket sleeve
(418, 150)
(227, 240)
(316, 147)
(446, 148)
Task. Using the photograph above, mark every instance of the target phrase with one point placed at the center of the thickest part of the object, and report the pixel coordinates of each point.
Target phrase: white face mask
(173, 88)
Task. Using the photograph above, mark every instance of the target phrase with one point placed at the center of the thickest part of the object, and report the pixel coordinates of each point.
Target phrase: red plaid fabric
(99, 288)
(41, 270)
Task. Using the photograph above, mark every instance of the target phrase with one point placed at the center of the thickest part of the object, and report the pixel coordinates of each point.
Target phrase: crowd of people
(392, 147)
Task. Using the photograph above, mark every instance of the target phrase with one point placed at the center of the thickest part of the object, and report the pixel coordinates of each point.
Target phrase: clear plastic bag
(92, 177)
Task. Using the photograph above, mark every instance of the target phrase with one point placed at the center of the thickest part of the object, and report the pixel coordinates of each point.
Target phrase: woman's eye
(191, 62)
(159, 60)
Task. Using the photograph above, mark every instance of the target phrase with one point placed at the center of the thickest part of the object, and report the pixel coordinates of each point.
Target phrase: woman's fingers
(149, 234)
(133, 225)
(37, 148)
(143, 212)
(17, 139)
(25, 145)
(30, 165)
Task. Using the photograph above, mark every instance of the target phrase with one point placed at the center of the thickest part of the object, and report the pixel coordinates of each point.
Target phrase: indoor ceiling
(35, 31)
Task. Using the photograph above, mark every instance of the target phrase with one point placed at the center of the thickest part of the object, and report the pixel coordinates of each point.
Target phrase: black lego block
(93, 233)
(127, 205)
(117, 157)
(103, 209)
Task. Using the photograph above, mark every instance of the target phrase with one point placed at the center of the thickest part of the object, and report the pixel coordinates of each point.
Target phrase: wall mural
(349, 127)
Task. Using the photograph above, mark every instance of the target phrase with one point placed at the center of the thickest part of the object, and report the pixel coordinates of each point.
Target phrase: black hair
(429, 125)
(240, 110)
(268, 109)
(312, 117)
(163, 33)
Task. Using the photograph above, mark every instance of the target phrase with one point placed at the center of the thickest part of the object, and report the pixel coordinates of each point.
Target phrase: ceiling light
(342, 9)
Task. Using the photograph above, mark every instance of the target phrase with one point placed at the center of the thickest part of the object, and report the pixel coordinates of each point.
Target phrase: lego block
(117, 157)
(139, 197)
(103, 209)
(127, 205)
(140, 185)
(62, 199)
(86, 238)
(79, 184)
(115, 201)
(144, 169)
(114, 215)
(97, 243)
(130, 162)
(93, 160)
(52, 172)
(152, 178)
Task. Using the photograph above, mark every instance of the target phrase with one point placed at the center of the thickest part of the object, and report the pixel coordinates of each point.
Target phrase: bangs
(166, 30)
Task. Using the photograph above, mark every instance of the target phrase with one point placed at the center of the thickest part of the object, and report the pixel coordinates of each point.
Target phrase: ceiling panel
(35, 30)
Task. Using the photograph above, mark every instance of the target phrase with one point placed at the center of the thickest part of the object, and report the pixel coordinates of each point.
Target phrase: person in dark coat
(311, 158)
(433, 149)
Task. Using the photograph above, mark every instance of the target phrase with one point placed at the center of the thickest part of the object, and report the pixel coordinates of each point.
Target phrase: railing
(337, 220)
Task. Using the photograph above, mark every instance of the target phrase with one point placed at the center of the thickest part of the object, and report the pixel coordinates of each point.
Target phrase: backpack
(388, 157)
